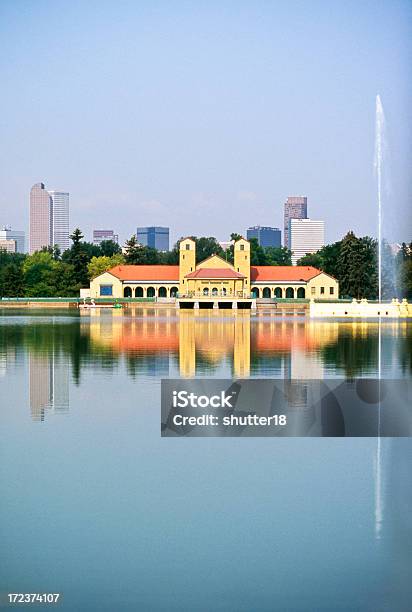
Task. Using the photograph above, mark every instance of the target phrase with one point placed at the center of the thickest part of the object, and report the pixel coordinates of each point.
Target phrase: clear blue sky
(204, 116)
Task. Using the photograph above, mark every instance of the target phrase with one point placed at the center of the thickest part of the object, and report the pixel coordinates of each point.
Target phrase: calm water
(97, 506)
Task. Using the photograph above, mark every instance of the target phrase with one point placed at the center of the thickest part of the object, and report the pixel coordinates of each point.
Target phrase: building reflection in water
(49, 384)
(248, 345)
(167, 342)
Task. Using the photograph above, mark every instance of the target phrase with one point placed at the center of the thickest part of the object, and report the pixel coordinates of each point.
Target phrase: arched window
(300, 292)
(278, 292)
(138, 292)
(224, 291)
(205, 291)
(174, 291)
(127, 292)
(150, 292)
(266, 292)
(290, 293)
(255, 292)
(214, 291)
(162, 292)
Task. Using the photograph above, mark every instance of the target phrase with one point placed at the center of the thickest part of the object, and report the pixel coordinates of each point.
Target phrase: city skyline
(49, 218)
(234, 126)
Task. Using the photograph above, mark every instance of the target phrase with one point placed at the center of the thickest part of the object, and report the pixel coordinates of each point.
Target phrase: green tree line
(352, 260)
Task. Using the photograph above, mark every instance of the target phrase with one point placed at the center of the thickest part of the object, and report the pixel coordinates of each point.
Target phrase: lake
(98, 507)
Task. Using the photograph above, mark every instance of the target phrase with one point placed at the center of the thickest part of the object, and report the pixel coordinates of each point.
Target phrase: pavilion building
(214, 279)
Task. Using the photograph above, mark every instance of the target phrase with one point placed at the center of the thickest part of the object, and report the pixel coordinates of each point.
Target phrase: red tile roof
(214, 273)
(282, 273)
(146, 273)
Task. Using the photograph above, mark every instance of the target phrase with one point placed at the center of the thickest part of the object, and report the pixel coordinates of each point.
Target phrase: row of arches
(278, 292)
(150, 292)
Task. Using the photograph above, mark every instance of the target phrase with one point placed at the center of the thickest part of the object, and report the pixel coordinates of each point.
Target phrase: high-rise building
(266, 236)
(60, 219)
(7, 234)
(154, 237)
(49, 218)
(296, 207)
(101, 235)
(41, 231)
(305, 236)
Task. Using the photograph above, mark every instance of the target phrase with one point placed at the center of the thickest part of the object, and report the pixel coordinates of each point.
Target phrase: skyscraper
(8, 234)
(100, 235)
(49, 218)
(41, 231)
(154, 237)
(60, 217)
(296, 207)
(266, 236)
(305, 236)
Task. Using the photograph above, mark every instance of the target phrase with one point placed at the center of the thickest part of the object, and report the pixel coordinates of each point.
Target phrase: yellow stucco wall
(214, 262)
(242, 260)
(106, 279)
(327, 282)
(187, 261)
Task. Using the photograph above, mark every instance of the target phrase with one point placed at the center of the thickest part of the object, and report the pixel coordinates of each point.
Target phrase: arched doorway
(162, 292)
(301, 292)
(278, 292)
(127, 292)
(255, 292)
(290, 293)
(138, 292)
(174, 291)
(266, 292)
(150, 292)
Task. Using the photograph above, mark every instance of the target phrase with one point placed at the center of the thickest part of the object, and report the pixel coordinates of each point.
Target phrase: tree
(11, 281)
(54, 251)
(38, 280)
(403, 265)
(311, 259)
(326, 259)
(108, 248)
(205, 247)
(278, 256)
(79, 255)
(138, 254)
(357, 269)
(98, 265)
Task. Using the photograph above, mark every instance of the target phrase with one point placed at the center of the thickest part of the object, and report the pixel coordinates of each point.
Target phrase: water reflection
(49, 384)
(166, 342)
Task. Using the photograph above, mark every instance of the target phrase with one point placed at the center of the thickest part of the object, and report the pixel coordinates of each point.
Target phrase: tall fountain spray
(378, 162)
(379, 151)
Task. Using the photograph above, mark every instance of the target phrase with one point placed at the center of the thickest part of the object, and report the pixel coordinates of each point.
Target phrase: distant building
(18, 237)
(60, 219)
(8, 245)
(49, 218)
(102, 235)
(225, 244)
(266, 236)
(154, 237)
(41, 232)
(296, 207)
(213, 279)
(305, 236)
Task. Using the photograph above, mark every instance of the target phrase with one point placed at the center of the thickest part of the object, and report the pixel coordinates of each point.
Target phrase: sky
(204, 117)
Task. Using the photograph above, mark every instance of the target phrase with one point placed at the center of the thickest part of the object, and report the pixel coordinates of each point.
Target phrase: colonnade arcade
(150, 291)
(278, 292)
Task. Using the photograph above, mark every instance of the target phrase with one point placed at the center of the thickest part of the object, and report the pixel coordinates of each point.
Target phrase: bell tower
(187, 262)
(242, 261)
